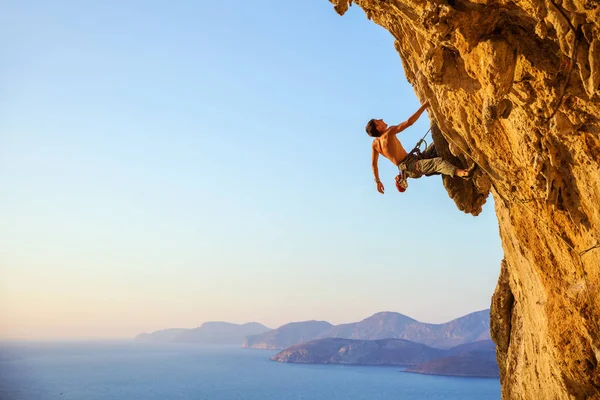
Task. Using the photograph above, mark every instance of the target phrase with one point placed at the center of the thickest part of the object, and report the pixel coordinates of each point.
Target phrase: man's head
(376, 127)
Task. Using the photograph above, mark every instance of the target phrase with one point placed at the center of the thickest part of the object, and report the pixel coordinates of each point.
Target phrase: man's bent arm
(413, 118)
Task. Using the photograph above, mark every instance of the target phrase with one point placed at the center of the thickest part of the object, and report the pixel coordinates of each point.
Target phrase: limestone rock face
(514, 88)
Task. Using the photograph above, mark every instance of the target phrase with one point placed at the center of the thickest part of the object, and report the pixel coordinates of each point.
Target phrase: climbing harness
(421, 141)
(402, 178)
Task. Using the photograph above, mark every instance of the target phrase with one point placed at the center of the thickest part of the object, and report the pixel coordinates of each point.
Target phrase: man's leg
(429, 152)
(439, 166)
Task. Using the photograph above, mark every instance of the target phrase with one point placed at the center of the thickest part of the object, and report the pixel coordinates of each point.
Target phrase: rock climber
(414, 166)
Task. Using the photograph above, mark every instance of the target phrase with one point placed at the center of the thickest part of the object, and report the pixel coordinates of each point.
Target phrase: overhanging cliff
(514, 87)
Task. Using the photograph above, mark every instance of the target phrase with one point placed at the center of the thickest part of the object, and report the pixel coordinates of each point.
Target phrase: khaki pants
(428, 164)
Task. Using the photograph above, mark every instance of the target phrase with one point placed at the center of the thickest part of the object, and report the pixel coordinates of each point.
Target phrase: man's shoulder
(376, 145)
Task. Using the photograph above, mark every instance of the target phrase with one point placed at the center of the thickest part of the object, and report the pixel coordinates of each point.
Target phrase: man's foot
(466, 173)
(462, 173)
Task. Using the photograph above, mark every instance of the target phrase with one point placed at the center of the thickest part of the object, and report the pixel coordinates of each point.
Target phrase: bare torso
(390, 147)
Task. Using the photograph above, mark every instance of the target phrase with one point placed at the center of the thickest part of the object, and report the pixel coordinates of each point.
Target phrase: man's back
(390, 147)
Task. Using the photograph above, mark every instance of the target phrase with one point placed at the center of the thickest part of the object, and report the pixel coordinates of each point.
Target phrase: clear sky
(164, 163)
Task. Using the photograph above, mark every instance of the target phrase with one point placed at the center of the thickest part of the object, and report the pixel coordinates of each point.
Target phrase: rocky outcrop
(359, 352)
(514, 88)
(477, 359)
(473, 359)
(474, 365)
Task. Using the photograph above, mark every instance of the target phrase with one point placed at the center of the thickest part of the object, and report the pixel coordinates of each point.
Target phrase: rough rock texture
(515, 88)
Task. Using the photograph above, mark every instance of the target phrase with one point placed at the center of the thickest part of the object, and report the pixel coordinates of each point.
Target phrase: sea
(132, 370)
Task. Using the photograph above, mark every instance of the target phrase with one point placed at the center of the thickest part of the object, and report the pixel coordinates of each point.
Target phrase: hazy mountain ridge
(164, 335)
(469, 328)
(383, 325)
(214, 332)
(287, 335)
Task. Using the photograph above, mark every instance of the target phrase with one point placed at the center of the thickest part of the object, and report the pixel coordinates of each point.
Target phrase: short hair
(372, 129)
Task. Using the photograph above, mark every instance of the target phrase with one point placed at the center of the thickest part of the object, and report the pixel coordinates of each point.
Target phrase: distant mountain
(165, 335)
(359, 352)
(383, 325)
(474, 359)
(217, 333)
(287, 335)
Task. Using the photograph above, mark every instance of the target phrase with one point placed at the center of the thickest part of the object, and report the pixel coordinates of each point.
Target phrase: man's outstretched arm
(413, 118)
(374, 160)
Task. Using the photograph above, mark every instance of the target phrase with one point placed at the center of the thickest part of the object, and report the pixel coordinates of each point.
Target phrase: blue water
(129, 370)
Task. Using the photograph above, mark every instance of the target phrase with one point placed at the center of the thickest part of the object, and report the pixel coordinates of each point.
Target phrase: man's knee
(430, 152)
(447, 169)
(444, 167)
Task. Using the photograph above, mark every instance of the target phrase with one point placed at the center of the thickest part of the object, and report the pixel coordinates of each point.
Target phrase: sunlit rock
(514, 87)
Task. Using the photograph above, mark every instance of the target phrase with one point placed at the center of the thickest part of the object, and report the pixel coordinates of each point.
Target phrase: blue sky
(165, 164)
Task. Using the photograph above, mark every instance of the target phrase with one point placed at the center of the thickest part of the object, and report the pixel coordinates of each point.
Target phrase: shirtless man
(387, 144)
